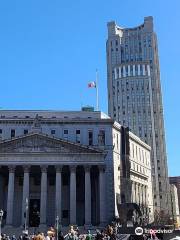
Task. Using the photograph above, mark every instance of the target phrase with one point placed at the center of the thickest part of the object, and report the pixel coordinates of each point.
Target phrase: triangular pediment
(38, 142)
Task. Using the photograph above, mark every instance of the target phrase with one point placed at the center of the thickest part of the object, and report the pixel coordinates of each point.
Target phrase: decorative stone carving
(36, 127)
(102, 168)
(12, 168)
(41, 143)
(44, 168)
(36, 122)
(72, 168)
(59, 168)
(87, 168)
(26, 168)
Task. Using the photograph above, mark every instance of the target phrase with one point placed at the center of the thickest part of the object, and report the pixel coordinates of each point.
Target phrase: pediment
(38, 142)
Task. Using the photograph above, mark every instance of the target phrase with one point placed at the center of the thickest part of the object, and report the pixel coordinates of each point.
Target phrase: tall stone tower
(134, 95)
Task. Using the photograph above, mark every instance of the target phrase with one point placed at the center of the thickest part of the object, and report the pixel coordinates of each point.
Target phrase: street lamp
(57, 227)
(1, 216)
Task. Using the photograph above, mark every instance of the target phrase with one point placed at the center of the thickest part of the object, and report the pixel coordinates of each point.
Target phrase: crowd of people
(73, 234)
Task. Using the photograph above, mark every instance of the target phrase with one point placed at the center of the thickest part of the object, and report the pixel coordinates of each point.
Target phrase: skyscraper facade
(134, 95)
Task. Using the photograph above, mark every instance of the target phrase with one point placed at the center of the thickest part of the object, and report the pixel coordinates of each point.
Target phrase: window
(0, 131)
(90, 136)
(101, 138)
(13, 133)
(65, 134)
(53, 132)
(78, 136)
(25, 131)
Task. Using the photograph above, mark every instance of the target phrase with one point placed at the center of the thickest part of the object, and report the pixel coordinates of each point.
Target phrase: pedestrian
(20, 237)
(72, 236)
(13, 237)
(61, 236)
(77, 232)
(89, 235)
(98, 236)
(25, 237)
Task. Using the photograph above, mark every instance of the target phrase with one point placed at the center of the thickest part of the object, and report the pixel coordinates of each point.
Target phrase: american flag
(92, 85)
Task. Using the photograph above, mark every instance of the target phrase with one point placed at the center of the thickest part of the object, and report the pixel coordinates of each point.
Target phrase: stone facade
(134, 95)
(175, 205)
(66, 164)
(176, 182)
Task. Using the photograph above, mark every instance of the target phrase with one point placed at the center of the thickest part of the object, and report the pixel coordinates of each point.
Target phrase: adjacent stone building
(134, 95)
(176, 182)
(74, 165)
(175, 206)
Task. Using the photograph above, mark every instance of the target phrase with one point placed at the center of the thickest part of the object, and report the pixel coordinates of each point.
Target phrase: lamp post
(1, 216)
(57, 227)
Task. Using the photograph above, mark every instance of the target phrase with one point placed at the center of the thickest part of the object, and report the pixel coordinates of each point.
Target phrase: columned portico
(62, 179)
(72, 194)
(25, 197)
(43, 206)
(10, 197)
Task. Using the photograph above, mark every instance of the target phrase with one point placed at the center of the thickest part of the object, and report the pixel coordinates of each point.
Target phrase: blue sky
(49, 51)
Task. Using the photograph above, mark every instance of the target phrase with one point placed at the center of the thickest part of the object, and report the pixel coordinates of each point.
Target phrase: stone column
(10, 197)
(1, 190)
(72, 195)
(145, 195)
(43, 207)
(102, 195)
(133, 192)
(140, 194)
(25, 193)
(137, 193)
(58, 198)
(139, 200)
(87, 196)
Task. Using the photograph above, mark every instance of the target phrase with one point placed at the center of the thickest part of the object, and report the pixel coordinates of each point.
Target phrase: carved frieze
(41, 143)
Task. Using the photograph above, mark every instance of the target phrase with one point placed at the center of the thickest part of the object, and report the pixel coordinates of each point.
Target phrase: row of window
(53, 117)
(138, 168)
(131, 70)
(140, 154)
(101, 135)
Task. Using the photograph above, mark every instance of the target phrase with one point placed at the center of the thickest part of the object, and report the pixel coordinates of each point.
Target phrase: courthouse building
(79, 166)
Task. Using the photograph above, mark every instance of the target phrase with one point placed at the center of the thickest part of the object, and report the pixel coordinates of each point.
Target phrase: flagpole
(97, 92)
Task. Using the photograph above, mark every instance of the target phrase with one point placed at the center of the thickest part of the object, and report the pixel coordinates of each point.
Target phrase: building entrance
(34, 212)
